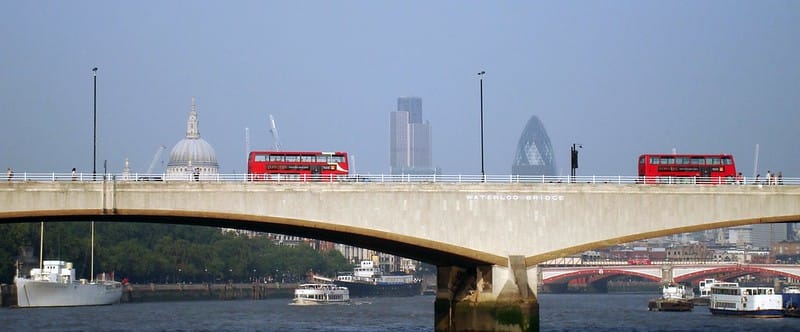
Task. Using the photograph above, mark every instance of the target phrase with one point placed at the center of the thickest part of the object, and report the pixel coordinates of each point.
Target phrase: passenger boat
(369, 280)
(673, 298)
(704, 292)
(727, 298)
(791, 301)
(318, 293)
(53, 284)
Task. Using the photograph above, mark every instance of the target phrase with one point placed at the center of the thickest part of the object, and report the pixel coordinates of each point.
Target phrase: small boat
(320, 293)
(791, 301)
(53, 284)
(727, 298)
(704, 290)
(673, 298)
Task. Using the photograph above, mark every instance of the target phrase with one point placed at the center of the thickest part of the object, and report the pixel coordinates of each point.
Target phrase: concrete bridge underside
(486, 238)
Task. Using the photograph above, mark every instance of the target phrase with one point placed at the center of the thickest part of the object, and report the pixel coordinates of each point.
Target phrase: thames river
(558, 312)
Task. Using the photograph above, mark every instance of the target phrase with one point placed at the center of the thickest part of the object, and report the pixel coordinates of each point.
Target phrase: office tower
(534, 155)
(410, 150)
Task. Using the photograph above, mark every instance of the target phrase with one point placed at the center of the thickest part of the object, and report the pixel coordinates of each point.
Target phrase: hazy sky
(621, 77)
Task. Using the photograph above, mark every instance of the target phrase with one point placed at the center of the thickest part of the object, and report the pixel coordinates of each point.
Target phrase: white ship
(727, 298)
(307, 294)
(53, 284)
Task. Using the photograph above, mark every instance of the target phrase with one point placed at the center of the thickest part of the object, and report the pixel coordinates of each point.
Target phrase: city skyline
(623, 79)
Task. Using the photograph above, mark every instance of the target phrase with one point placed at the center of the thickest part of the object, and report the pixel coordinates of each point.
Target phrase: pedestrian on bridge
(9, 174)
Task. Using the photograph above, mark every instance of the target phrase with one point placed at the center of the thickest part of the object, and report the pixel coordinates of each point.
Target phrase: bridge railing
(394, 178)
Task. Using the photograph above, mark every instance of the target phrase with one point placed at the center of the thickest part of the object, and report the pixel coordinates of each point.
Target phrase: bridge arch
(736, 270)
(598, 273)
(404, 246)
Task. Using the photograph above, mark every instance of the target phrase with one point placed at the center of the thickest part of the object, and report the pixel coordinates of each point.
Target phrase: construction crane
(276, 143)
(156, 158)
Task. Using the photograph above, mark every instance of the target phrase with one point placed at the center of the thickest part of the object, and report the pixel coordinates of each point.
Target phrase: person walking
(74, 174)
(9, 174)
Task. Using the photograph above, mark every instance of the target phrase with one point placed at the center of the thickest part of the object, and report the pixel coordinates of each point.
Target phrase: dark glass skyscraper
(410, 150)
(534, 154)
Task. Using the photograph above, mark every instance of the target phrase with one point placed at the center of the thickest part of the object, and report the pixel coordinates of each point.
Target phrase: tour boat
(53, 284)
(318, 293)
(673, 298)
(704, 289)
(727, 298)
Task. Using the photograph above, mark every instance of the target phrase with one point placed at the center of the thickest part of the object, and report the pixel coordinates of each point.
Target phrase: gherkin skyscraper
(534, 154)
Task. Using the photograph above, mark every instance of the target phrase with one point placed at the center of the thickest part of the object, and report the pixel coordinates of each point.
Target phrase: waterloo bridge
(486, 235)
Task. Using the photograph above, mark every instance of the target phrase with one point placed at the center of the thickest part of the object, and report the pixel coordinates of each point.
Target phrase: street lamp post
(94, 151)
(483, 173)
(574, 158)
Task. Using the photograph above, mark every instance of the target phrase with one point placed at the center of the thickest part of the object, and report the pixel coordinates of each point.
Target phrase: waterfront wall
(184, 292)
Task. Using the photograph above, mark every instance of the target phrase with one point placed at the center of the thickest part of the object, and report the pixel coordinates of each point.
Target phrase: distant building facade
(765, 235)
(534, 154)
(410, 140)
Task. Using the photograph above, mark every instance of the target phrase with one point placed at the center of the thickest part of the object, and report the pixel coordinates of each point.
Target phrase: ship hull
(381, 290)
(32, 293)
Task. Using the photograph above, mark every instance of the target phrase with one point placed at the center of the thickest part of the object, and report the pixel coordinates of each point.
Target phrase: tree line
(164, 253)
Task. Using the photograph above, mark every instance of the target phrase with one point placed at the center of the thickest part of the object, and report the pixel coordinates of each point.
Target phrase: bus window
(641, 160)
(307, 159)
(698, 161)
(261, 157)
(654, 160)
(667, 160)
(275, 158)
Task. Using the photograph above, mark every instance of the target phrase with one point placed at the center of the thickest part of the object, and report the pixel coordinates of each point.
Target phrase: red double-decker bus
(297, 166)
(687, 168)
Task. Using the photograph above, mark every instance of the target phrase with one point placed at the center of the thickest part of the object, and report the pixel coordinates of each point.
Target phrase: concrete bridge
(557, 277)
(486, 238)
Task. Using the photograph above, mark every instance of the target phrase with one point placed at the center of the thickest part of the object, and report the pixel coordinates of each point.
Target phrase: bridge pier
(487, 298)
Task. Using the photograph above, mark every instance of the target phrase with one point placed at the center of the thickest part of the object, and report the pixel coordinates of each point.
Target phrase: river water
(558, 312)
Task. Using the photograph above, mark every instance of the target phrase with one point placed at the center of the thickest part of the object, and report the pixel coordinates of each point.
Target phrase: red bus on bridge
(687, 168)
(297, 166)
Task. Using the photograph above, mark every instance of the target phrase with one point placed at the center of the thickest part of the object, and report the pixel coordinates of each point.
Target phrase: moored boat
(53, 284)
(791, 301)
(369, 280)
(704, 292)
(673, 298)
(728, 298)
(320, 293)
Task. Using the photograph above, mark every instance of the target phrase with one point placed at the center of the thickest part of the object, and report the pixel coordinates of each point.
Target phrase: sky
(622, 78)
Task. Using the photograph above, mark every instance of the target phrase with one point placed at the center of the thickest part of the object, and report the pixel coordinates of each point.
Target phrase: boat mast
(91, 277)
(41, 244)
